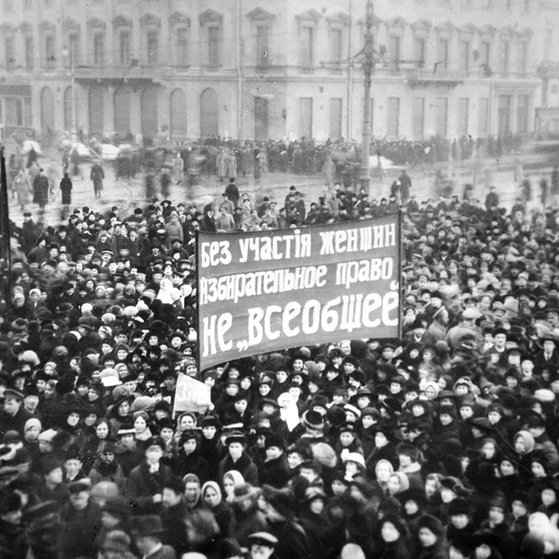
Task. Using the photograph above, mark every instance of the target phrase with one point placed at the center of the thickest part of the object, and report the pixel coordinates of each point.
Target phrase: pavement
(129, 194)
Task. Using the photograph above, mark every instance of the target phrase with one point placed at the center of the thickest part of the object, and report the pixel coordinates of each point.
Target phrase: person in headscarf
(288, 410)
(212, 498)
(231, 479)
(192, 491)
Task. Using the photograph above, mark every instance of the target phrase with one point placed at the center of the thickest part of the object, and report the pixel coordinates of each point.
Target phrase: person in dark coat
(431, 540)
(97, 175)
(405, 186)
(41, 189)
(232, 192)
(237, 459)
(276, 468)
(393, 543)
(147, 532)
(146, 481)
(14, 416)
(174, 511)
(212, 499)
(81, 520)
(30, 232)
(283, 524)
(189, 460)
(66, 189)
(12, 532)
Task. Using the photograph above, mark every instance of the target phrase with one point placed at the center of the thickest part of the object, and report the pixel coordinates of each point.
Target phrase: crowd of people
(440, 444)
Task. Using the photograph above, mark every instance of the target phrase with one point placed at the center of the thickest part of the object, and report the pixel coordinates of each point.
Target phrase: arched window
(68, 109)
(47, 110)
(209, 113)
(122, 111)
(149, 112)
(96, 111)
(178, 113)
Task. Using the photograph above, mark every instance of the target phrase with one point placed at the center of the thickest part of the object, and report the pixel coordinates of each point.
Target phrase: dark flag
(5, 249)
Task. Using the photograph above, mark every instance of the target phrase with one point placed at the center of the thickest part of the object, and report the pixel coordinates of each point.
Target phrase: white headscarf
(288, 410)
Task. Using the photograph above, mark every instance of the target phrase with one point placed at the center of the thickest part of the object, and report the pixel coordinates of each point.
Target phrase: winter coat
(244, 465)
(292, 540)
(172, 519)
(437, 551)
(245, 523)
(23, 190)
(191, 464)
(142, 485)
(66, 189)
(276, 472)
(111, 472)
(77, 537)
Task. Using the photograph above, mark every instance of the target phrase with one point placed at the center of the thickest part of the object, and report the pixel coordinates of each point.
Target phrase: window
(523, 57)
(463, 116)
(505, 57)
(336, 47)
(73, 41)
(335, 118)
(152, 38)
(98, 49)
(182, 47)
(29, 53)
(9, 53)
(124, 48)
(504, 114)
(262, 33)
(305, 117)
(418, 124)
(420, 51)
(27, 111)
(483, 118)
(485, 53)
(442, 116)
(465, 55)
(444, 46)
(393, 117)
(213, 46)
(49, 51)
(393, 51)
(307, 47)
(522, 104)
(14, 111)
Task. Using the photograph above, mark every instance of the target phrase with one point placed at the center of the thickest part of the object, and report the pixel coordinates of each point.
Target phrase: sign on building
(270, 290)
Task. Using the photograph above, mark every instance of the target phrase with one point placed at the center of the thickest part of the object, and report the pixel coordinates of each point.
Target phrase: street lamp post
(365, 176)
(68, 52)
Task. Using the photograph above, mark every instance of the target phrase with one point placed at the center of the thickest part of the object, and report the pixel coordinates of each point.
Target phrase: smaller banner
(191, 395)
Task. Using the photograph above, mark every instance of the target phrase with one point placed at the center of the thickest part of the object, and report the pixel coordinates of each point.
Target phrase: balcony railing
(119, 72)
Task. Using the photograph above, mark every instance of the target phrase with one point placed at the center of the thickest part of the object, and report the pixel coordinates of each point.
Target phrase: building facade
(264, 69)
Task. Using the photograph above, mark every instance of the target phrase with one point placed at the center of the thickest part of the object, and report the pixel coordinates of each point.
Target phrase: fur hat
(312, 420)
(432, 524)
(273, 439)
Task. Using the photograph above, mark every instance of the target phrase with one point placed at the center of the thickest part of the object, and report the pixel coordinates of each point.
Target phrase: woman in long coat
(23, 189)
(66, 189)
(221, 165)
(231, 165)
